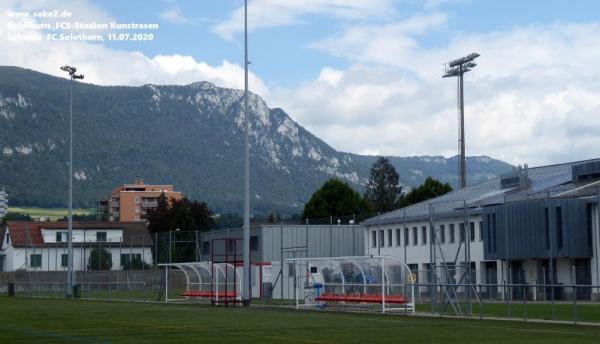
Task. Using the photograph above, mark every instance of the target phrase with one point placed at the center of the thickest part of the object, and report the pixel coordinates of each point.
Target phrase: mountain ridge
(187, 135)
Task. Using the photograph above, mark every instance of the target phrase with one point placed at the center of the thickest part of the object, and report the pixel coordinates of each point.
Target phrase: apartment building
(130, 202)
(3, 203)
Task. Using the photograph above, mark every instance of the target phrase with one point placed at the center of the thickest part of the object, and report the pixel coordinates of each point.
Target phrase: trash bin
(11, 289)
(77, 291)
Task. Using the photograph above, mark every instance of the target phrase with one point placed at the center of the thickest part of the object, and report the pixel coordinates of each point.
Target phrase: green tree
(12, 216)
(182, 214)
(430, 188)
(158, 217)
(383, 190)
(100, 259)
(335, 198)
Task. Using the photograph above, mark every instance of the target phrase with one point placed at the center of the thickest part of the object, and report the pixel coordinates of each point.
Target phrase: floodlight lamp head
(77, 76)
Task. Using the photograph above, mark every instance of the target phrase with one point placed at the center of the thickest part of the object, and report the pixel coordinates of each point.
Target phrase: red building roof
(29, 233)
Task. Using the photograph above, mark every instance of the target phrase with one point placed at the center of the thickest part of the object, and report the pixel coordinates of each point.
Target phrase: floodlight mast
(458, 68)
(247, 289)
(70, 283)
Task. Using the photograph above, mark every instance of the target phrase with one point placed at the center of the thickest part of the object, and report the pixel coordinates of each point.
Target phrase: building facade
(130, 202)
(534, 226)
(42, 246)
(3, 203)
(271, 245)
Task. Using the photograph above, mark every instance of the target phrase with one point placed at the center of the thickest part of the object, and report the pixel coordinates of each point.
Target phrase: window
(291, 269)
(559, 228)
(254, 243)
(137, 200)
(230, 245)
(35, 260)
(480, 230)
(381, 239)
(451, 232)
(547, 228)
(494, 238)
(398, 243)
(128, 258)
(414, 269)
(442, 234)
(137, 210)
(64, 260)
(415, 236)
(60, 236)
(100, 236)
(374, 239)
(405, 236)
(472, 230)
(206, 247)
(390, 238)
(461, 230)
(423, 235)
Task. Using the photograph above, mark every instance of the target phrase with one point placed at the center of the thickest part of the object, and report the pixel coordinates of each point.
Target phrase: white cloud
(273, 13)
(174, 15)
(533, 98)
(330, 76)
(107, 66)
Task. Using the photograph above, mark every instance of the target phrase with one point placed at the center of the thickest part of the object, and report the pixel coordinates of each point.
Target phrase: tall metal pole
(463, 172)
(458, 68)
(246, 295)
(70, 274)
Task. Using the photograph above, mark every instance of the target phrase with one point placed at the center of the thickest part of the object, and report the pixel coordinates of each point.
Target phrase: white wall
(20, 258)
(420, 253)
(80, 235)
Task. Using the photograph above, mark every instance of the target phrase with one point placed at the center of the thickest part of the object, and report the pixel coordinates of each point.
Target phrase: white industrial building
(516, 224)
(42, 246)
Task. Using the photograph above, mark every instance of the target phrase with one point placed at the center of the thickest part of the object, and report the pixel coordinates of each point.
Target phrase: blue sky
(365, 75)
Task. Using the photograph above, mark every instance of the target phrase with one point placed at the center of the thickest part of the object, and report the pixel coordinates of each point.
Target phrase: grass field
(59, 321)
(53, 214)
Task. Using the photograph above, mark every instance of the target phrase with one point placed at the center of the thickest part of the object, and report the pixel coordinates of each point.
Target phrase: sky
(364, 76)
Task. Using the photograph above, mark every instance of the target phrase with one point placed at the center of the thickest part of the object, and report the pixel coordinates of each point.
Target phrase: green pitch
(59, 321)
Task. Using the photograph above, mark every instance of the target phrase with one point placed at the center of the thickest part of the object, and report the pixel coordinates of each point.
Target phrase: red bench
(209, 293)
(367, 298)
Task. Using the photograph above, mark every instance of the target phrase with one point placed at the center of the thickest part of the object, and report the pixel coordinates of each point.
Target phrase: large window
(472, 231)
(406, 235)
(423, 235)
(442, 234)
(100, 236)
(451, 229)
(398, 235)
(254, 243)
(415, 236)
(390, 238)
(461, 231)
(64, 260)
(35, 260)
(206, 247)
(480, 230)
(373, 238)
(381, 238)
(559, 228)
